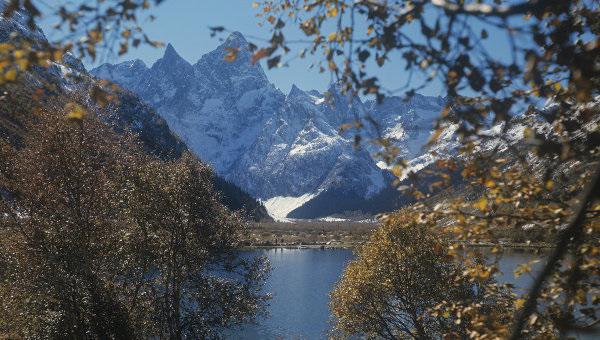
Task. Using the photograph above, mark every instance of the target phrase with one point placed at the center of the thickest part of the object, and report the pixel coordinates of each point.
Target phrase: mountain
(128, 112)
(284, 149)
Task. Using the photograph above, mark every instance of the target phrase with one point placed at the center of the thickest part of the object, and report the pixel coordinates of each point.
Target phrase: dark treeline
(100, 239)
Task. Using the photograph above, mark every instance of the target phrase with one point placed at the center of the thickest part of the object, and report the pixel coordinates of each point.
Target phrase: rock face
(284, 149)
(128, 113)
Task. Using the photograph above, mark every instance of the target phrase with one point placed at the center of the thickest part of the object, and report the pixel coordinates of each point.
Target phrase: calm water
(301, 280)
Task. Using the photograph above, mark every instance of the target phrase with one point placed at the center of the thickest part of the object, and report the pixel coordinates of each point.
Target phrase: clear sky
(184, 24)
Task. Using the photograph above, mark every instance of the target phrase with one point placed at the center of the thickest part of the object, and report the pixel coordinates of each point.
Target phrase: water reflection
(301, 280)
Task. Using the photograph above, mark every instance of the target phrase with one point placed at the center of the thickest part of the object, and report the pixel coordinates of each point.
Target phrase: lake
(301, 280)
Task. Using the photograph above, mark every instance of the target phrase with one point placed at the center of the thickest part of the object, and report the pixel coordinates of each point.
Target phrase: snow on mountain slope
(299, 151)
(279, 207)
(128, 112)
(407, 123)
(268, 143)
(124, 73)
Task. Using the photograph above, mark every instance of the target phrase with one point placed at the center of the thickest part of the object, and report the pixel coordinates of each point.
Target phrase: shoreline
(522, 246)
(303, 246)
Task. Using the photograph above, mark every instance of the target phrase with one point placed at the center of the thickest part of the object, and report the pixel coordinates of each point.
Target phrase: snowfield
(284, 149)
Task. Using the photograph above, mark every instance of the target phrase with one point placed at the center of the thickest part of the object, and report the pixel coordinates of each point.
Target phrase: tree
(401, 275)
(101, 240)
(549, 180)
(188, 273)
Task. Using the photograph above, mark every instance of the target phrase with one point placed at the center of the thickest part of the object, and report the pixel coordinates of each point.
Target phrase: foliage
(522, 166)
(548, 180)
(101, 240)
(401, 275)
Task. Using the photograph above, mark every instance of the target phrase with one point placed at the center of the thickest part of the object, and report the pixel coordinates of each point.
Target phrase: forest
(112, 228)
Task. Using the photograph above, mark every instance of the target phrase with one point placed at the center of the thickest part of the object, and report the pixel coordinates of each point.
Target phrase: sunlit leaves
(262, 53)
(231, 54)
(75, 111)
(332, 37)
(122, 221)
(481, 204)
(10, 74)
(519, 303)
(407, 268)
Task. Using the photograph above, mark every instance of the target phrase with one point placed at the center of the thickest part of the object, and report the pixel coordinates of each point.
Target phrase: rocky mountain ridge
(129, 112)
(284, 149)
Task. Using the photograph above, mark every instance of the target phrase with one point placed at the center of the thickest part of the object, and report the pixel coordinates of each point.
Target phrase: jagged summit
(239, 44)
(171, 57)
(170, 52)
(279, 147)
(138, 63)
(295, 91)
(236, 39)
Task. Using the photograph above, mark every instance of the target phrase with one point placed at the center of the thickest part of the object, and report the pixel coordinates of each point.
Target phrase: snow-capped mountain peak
(277, 147)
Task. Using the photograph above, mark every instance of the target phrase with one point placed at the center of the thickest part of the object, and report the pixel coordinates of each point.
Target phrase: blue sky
(184, 24)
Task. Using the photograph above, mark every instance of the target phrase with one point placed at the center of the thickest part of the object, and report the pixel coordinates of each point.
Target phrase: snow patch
(317, 100)
(333, 219)
(280, 206)
(396, 132)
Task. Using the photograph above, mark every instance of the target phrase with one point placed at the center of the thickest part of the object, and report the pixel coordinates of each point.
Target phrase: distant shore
(304, 246)
(341, 234)
(523, 246)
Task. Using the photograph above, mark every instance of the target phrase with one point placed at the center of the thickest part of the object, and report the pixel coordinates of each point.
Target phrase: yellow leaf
(397, 170)
(435, 136)
(519, 303)
(490, 184)
(332, 36)
(231, 54)
(481, 204)
(95, 35)
(4, 47)
(557, 87)
(75, 111)
(57, 55)
(549, 185)
(19, 54)
(10, 75)
(532, 319)
(23, 64)
(332, 12)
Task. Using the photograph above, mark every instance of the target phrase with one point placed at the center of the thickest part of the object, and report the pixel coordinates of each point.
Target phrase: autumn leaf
(333, 12)
(481, 204)
(435, 136)
(231, 54)
(519, 303)
(263, 52)
(10, 75)
(331, 37)
(75, 111)
(490, 184)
